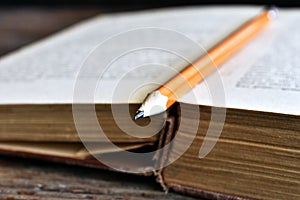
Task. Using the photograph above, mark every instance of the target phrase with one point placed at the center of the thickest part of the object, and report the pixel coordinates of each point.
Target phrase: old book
(236, 135)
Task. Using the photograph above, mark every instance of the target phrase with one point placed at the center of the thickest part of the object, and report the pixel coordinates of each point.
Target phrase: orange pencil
(166, 95)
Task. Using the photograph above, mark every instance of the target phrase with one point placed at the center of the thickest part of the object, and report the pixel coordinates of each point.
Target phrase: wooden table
(33, 179)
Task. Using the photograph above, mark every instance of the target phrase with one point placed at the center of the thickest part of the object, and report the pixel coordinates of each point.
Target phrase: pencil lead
(138, 115)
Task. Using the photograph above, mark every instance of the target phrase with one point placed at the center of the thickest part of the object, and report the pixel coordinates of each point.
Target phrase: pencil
(166, 95)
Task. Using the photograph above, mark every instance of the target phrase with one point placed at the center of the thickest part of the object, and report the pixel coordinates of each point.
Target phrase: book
(236, 135)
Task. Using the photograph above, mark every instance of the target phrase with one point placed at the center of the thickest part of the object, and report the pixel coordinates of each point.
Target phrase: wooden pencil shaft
(215, 57)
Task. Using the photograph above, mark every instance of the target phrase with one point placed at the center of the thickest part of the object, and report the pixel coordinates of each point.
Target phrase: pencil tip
(139, 115)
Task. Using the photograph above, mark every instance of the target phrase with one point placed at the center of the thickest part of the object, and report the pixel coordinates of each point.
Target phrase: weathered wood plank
(32, 179)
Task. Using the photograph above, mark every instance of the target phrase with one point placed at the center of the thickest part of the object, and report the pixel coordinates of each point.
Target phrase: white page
(265, 75)
(45, 72)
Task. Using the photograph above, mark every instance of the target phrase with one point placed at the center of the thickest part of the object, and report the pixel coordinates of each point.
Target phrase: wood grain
(31, 179)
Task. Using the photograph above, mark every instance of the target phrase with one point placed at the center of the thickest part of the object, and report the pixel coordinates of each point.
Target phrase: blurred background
(25, 21)
(148, 3)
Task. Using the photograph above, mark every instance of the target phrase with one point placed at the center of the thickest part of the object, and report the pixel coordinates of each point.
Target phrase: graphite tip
(139, 114)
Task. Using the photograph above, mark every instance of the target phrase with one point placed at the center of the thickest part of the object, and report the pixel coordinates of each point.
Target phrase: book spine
(161, 157)
(166, 137)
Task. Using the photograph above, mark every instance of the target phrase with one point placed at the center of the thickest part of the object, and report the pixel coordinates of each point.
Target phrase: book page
(69, 150)
(265, 75)
(46, 72)
(259, 77)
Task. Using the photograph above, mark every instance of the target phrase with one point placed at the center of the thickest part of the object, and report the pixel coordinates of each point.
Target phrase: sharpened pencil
(166, 95)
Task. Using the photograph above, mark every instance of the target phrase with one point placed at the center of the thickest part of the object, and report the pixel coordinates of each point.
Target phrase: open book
(234, 135)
